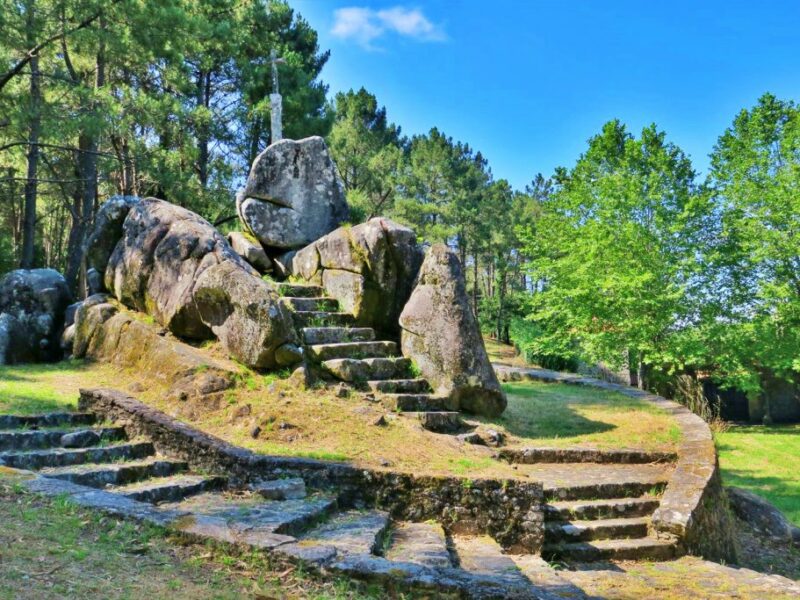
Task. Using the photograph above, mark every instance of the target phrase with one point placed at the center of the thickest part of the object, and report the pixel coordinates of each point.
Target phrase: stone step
(419, 543)
(102, 475)
(62, 457)
(601, 509)
(251, 519)
(319, 304)
(482, 555)
(600, 529)
(352, 532)
(644, 548)
(416, 403)
(400, 386)
(169, 489)
(40, 439)
(300, 290)
(357, 350)
(546, 579)
(584, 455)
(46, 420)
(439, 421)
(333, 335)
(359, 370)
(322, 319)
(604, 490)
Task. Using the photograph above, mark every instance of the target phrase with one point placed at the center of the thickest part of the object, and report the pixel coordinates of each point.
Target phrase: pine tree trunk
(29, 220)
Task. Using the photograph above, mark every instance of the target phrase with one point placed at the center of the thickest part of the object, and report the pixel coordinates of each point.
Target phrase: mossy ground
(315, 423)
(50, 548)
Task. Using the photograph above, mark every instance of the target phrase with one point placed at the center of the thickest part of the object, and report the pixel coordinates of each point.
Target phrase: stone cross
(275, 100)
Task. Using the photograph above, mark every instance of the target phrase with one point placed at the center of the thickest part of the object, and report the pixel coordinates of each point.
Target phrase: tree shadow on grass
(783, 493)
(544, 418)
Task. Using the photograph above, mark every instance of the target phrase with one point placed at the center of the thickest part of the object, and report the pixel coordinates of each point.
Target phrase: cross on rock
(275, 99)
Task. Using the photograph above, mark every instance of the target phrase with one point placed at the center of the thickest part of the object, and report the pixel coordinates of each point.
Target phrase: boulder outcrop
(162, 253)
(370, 269)
(441, 335)
(106, 332)
(163, 250)
(293, 195)
(107, 231)
(245, 313)
(32, 307)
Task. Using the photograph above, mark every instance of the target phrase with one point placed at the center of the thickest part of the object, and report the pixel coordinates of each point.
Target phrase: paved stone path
(688, 578)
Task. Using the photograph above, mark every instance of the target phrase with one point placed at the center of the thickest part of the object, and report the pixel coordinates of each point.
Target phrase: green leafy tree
(615, 249)
(752, 325)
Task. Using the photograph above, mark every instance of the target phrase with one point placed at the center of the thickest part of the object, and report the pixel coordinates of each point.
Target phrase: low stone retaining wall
(694, 506)
(509, 510)
(583, 455)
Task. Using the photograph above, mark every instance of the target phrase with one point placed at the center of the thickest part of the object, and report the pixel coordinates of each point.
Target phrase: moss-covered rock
(441, 335)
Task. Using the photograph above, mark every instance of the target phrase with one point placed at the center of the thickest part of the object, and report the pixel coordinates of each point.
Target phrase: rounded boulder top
(293, 195)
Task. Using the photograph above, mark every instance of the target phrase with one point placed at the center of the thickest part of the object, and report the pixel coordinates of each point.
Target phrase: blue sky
(528, 82)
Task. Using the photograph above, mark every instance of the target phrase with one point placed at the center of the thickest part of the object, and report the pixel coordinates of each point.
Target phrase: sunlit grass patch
(764, 460)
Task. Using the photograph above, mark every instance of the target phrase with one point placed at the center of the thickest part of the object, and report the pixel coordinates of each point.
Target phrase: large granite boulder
(440, 333)
(162, 253)
(763, 516)
(163, 250)
(246, 314)
(294, 194)
(370, 269)
(107, 231)
(32, 307)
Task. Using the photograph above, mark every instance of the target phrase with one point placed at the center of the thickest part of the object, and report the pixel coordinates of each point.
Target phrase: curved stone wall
(694, 507)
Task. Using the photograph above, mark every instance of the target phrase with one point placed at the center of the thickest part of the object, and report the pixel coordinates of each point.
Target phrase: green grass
(30, 389)
(766, 461)
(556, 414)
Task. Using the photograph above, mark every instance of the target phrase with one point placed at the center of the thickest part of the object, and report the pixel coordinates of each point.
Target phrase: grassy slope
(765, 460)
(49, 548)
(316, 423)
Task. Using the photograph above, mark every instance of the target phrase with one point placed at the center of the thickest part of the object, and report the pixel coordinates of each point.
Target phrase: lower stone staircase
(600, 510)
(353, 355)
(95, 465)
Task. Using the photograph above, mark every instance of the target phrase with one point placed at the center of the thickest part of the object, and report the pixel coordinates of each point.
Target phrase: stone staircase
(352, 355)
(96, 466)
(600, 509)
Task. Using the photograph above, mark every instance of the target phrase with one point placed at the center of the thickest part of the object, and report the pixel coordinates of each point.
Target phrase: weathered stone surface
(370, 269)
(419, 543)
(107, 231)
(441, 421)
(80, 439)
(693, 506)
(163, 251)
(440, 333)
(578, 455)
(250, 250)
(32, 307)
(281, 489)
(173, 265)
(104, 334)
(246, 314)
(294, 194)
(763, 516)
(90, 315)
(510, 510)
